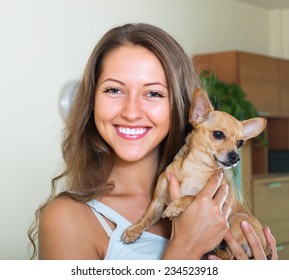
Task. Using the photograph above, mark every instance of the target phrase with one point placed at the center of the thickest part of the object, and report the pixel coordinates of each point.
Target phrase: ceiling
(269, 4)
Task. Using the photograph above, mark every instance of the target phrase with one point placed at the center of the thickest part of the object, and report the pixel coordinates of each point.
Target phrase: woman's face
(131, 110)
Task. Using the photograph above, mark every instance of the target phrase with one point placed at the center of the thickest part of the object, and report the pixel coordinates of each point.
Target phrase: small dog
(212, 145)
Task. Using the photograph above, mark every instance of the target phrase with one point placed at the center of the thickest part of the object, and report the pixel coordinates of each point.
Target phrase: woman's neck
(135, 177)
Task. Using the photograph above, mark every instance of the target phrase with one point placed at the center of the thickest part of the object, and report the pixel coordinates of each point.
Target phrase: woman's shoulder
(61, 212)
(65, 210)
(64, 222)
(61, 207)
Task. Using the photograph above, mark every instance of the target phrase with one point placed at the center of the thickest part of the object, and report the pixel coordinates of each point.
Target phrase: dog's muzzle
(231, 161)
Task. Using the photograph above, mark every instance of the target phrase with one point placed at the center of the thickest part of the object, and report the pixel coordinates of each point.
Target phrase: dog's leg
(178, 206)
(152, 215)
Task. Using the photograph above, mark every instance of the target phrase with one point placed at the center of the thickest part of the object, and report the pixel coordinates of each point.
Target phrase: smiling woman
(128, 120)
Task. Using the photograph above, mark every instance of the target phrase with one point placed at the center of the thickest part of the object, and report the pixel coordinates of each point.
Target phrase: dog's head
(219, 134)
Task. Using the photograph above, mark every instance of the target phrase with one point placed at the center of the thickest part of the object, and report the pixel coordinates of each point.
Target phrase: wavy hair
(87, 157)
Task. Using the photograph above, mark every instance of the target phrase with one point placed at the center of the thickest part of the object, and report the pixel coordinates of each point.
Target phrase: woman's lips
(131, 132)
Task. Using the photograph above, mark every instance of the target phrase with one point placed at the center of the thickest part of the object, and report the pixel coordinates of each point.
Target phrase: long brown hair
(87, 157)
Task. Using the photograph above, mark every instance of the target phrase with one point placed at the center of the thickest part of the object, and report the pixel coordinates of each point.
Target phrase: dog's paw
(172, 211)
(130, 235)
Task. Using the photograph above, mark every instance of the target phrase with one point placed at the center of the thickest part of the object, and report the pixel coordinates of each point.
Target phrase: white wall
(279, 33)
(45, 44)
(285, 36)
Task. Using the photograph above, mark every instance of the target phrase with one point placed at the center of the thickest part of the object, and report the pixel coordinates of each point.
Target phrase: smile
(131, 132)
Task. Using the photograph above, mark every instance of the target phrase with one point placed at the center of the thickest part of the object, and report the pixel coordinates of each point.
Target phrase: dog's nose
(233, 157)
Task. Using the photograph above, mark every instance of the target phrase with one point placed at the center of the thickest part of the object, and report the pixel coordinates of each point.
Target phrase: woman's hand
(253, 242)
(203, 225)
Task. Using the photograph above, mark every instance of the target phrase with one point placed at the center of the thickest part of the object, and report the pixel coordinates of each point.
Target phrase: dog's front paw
(172, 211)
(178, 206)
(131, 234)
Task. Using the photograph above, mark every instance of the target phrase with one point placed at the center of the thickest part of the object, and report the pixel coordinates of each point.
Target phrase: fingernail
(245, 225)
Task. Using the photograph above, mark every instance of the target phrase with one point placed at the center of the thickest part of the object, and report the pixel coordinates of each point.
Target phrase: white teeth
(132, 131)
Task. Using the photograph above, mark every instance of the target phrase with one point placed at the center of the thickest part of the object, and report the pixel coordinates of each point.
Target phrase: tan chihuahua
(212, 145)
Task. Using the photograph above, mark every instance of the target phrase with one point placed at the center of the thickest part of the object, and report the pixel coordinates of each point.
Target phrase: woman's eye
(219, 135)
(154, 94)
(112, 90)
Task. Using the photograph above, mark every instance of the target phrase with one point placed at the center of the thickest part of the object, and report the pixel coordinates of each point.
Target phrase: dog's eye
(219, 135)
(240, 143)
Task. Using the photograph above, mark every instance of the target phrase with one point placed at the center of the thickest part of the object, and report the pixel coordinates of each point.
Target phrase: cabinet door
(271, 206)
(284, 87)
(259, 79)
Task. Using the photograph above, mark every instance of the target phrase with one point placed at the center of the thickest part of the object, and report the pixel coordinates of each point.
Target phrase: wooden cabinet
(278, 133)
(271, 206)
(284, 86)
(258, 77)
(264, 79)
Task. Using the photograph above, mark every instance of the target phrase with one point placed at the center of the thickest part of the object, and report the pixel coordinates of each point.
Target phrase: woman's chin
(135, 156)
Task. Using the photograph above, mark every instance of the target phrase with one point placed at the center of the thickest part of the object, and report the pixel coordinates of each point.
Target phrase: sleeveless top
(148, 247)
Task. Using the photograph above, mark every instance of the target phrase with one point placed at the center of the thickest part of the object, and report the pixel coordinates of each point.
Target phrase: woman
(127, 122)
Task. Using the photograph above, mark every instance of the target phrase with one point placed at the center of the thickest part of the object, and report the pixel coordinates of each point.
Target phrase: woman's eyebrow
(146, 84)
(155, 83)
(112, 80)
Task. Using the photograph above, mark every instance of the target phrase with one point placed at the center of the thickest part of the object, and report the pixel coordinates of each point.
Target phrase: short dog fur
(212, 145)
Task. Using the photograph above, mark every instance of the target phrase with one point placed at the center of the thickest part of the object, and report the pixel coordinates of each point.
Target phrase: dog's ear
(200, 107)
(253, 127)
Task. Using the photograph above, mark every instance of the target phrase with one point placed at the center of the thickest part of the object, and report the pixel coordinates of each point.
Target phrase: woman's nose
(132, 108)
